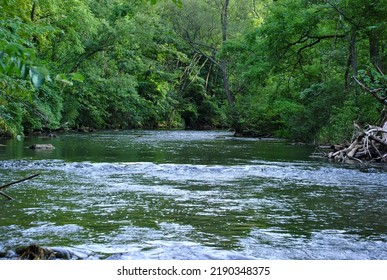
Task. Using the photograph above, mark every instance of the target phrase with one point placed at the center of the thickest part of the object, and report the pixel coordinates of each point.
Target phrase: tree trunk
(376, 51)
(230, 97)
(33, 10)
(352, 60)
(223, 62)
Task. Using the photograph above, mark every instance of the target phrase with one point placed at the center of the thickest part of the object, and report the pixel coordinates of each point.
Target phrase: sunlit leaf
(64, 79)
(77, 77)
(2, 67)
(178, 3)
(37, 80)
(38, 76)
(24, 71)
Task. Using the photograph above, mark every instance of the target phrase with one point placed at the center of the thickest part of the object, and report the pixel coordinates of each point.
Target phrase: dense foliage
(284, 68)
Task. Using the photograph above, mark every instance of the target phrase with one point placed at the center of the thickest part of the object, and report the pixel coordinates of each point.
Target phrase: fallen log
(352, 153)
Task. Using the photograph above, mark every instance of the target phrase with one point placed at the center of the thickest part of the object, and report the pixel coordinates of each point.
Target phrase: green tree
(311, 50)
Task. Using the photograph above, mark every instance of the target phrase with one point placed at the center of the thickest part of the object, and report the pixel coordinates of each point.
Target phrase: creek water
(189, 195)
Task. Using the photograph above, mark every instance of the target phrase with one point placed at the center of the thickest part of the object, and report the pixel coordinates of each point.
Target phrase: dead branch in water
(13, 183)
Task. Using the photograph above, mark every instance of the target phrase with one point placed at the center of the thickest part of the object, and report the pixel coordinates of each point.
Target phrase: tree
(223, 61)
(206, 27)
(311, 50)
(280, 68)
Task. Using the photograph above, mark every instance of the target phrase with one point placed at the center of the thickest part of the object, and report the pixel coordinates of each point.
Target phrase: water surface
(189, 195)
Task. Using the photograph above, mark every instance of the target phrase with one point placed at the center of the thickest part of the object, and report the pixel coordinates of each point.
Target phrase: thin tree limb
(13, 183)
(6, 195)
(373, 92)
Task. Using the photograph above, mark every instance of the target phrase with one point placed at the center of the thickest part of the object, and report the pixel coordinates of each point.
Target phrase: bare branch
(373, 92)
(19, 181)
(13, 183)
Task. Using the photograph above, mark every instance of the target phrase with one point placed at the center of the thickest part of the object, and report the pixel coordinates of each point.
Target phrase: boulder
(42, 147)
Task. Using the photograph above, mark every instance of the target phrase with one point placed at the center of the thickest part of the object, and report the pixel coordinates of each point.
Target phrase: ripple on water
(141, 210)
(302, 173)
(273, 243)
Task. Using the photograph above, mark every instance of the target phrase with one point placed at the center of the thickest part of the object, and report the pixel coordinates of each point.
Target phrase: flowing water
(189, 195)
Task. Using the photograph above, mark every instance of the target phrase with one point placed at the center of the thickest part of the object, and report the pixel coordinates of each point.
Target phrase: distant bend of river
(189, 195)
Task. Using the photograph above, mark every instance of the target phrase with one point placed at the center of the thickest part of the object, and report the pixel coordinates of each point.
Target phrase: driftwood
(369, 144)
(13, 183)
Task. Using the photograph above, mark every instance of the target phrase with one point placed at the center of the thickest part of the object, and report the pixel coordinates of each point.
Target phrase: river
(142, 194)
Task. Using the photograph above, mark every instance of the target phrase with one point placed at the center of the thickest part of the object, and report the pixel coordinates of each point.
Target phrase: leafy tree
(282, 68)
(311, 50)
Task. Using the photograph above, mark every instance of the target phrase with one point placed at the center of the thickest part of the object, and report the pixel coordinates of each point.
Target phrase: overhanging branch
(373, 92)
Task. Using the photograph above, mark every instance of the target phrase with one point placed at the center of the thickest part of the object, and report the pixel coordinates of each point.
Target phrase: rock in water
(42, 147)
(35, 252)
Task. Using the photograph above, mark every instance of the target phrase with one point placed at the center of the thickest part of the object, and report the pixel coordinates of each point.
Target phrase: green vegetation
(284, 68)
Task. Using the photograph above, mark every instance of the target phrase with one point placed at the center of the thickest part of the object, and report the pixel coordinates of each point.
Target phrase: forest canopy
(297, 69)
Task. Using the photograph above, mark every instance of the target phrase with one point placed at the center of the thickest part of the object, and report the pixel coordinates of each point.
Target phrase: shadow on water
(189, 195)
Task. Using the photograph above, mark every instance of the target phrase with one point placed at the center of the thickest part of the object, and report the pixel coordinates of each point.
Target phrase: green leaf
(77, 77)
(178, 3)
(12, 49)
(2, 67)
(37, 79)
(64, 79)
(24, 71)
(38, 76)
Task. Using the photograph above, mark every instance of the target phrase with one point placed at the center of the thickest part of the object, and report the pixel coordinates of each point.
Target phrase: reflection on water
(190, 195)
